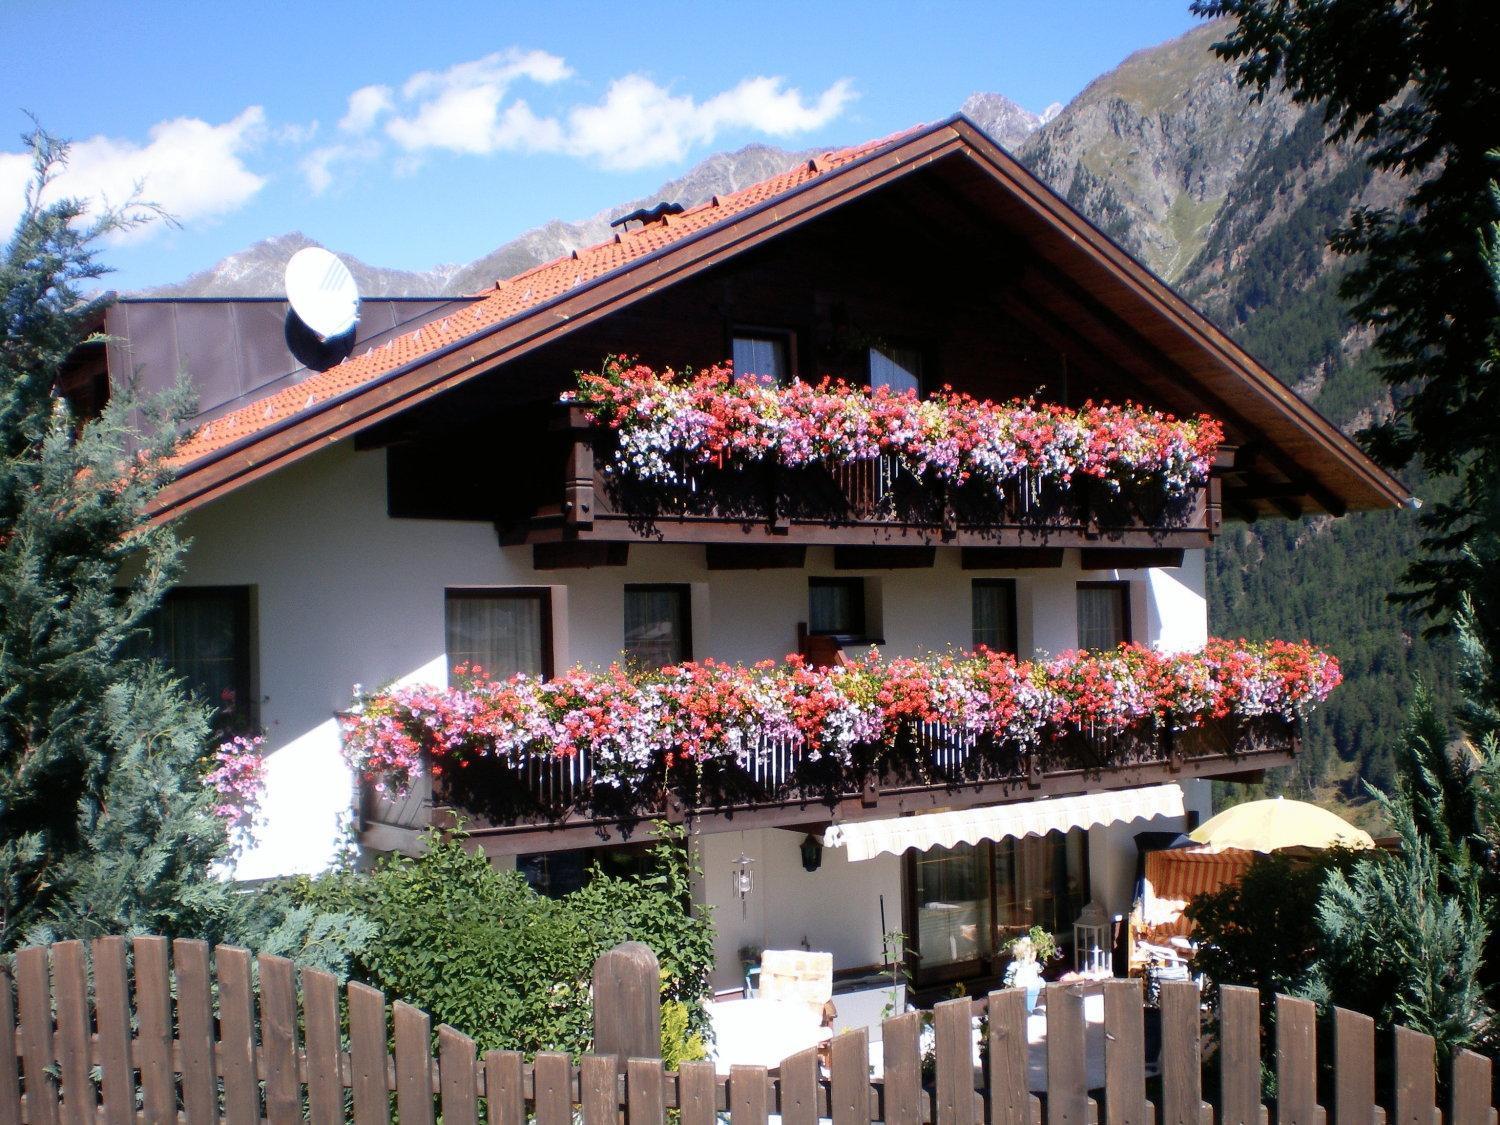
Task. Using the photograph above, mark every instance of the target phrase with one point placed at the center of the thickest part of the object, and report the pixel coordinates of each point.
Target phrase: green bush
(477, 948)
(1263, 930)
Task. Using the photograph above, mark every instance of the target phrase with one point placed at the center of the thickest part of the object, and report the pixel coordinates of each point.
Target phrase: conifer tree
(105, 824)
(1407, 937)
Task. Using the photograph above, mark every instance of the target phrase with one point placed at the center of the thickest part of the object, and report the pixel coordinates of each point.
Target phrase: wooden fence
(219, 1036)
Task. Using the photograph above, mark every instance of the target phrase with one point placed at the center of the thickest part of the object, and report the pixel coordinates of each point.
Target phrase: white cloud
(320, 164)
(639, 123)
(191, 169)
(366, 106)
(459, 109)
(471, 108)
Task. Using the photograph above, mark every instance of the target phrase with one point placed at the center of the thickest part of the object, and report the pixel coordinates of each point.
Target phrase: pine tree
(105, 824)
(1407, 937)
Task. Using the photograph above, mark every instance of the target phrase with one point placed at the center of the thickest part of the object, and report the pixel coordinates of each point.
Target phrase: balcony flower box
(710, 735)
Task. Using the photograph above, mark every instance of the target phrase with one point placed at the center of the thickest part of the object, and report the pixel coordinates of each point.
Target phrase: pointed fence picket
(156, 1031)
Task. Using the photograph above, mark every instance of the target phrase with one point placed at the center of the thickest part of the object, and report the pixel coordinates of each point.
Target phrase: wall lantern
(742, 880)
(812, 852)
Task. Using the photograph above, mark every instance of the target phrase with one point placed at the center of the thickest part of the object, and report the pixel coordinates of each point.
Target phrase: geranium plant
(637, 728)
(237, 776)
(665, 420)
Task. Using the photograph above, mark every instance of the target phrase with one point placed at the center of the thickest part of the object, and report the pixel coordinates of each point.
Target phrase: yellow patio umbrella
(1270, 825)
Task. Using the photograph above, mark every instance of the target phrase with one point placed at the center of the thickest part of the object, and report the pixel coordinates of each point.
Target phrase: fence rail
(220, 1037)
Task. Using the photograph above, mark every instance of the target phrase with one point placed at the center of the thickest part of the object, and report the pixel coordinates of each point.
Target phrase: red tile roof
(509, 298)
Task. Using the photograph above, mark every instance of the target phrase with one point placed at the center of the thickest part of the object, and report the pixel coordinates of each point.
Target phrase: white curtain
(500, 632)
(1101, 616)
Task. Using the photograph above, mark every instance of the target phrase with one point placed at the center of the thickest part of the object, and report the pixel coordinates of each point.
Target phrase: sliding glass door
(953, 908)
(964, 903)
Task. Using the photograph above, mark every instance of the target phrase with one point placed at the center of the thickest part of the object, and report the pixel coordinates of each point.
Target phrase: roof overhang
(1318, 451)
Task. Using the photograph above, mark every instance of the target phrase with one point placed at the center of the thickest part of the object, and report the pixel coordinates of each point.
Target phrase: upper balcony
(655, 457)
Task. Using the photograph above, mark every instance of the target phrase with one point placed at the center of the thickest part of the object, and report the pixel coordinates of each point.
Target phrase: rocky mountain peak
(1004, 120)
(1151, 149)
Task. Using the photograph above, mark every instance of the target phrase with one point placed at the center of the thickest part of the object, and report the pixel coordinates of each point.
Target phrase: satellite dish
(322, 292)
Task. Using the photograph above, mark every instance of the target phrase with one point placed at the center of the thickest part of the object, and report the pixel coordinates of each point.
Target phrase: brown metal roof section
(1315, 458)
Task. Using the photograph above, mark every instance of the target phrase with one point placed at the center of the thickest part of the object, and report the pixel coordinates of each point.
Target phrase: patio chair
(791, 1011)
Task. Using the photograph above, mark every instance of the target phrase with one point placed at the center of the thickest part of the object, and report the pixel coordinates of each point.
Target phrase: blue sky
(410, 134)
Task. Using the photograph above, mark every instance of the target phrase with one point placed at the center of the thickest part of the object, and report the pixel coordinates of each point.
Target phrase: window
(1103, 614)
(765, 354)
(202, 633)
(560, 873)
(952, 887)
(994, 611)
(501, 631)
(1041, 881)
(900, 369)
(836, 606)
(658, 629)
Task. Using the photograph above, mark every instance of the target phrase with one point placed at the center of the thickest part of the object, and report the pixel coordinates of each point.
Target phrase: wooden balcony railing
(777, 782)
(874, 502)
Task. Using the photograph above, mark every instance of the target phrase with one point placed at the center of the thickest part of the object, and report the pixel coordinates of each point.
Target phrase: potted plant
(1028, 953)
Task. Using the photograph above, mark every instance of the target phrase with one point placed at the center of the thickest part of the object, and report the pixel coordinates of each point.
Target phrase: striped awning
(1178, 875)
(867, 839)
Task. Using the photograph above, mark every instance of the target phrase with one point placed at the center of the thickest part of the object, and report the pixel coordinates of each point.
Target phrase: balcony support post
(578, 489)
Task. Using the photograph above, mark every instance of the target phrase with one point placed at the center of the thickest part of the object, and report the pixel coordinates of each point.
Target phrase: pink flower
(238, 778)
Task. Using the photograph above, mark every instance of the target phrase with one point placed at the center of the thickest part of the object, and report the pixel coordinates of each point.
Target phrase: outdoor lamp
(742, 880)
(812, 853)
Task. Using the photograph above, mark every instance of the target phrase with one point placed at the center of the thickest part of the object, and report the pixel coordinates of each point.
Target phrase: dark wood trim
(543, 594)
(852, 557)
(576, 554)
(579, 831)
(809, 533)
(754, 556)
(1010, 558)
(1117, 558)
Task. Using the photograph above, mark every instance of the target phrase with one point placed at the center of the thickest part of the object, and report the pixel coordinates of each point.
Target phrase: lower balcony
(549, 803)
(532, 765)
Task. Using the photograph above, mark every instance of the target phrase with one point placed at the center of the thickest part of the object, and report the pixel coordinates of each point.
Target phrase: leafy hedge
(477, 948)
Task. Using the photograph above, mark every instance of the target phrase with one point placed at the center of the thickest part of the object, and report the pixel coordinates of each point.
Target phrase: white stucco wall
(836, 908)
(346, 595)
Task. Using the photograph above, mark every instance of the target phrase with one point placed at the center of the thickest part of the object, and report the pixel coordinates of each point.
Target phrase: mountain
(257, 271)
(1152, 149)
(1004, 120)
